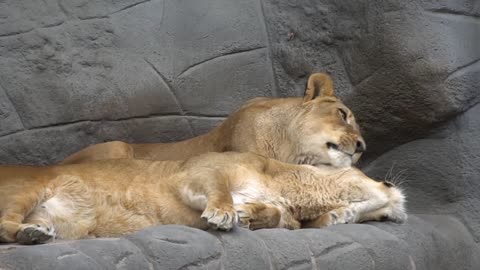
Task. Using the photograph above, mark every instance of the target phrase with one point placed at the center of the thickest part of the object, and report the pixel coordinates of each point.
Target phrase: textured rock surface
(74, 73)
(425, 242)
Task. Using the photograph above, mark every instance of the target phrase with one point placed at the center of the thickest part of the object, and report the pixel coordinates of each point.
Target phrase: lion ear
(319, 84)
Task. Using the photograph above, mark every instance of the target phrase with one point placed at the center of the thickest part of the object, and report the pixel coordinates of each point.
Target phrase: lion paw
(32, 234)
(257, 215)
(221, 219)
(342, 216)
(243, 219)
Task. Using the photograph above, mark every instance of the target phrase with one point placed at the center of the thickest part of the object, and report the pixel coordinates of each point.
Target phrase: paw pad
(35, 234)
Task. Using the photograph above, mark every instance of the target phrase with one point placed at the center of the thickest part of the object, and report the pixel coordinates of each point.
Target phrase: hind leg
(37, 228)
(209, 193)
(15, 212)
(341, 215)
(32, 234)
(29, 217)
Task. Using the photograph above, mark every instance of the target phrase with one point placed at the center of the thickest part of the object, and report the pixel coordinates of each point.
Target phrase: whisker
(399, 179)
(389, 172)
(400, 182)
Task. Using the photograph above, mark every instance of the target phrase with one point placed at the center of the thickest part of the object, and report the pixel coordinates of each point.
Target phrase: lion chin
(342, 160)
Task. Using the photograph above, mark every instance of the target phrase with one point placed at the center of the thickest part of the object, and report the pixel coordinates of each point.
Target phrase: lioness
(317, 129)
(114, 197)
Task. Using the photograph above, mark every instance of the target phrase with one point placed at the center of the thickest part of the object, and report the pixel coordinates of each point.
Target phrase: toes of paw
(244, 223)
(349, 216)
(223, 220)
(243, 219)
(227, 221)
(207, 214)
(242, 213)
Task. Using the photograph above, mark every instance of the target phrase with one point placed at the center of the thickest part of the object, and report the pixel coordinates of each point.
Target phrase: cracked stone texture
(77, 72)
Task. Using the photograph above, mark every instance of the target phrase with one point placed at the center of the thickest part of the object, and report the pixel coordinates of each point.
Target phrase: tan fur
(115, 197)
(292, 130)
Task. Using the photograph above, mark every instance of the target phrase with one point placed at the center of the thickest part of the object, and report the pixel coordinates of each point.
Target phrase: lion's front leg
(208, 191)
(219, 211)
(341, 215)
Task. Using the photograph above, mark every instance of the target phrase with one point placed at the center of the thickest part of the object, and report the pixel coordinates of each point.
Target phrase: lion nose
(360, 147)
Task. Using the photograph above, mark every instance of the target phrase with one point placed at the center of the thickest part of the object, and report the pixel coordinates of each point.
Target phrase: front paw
(221, 218)
(32, 234)
(257, 215)
(342, 215)
(244, 218)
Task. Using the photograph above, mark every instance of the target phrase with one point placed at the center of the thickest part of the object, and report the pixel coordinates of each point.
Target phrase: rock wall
(77, 72)
(74, 73)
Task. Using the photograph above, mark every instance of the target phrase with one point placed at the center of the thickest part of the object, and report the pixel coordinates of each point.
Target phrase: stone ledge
(424, 242)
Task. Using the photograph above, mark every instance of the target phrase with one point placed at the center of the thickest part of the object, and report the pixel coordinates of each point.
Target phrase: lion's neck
(276, 142)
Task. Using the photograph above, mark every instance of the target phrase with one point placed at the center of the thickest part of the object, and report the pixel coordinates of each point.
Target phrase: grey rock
(51, 256)
(19, 17)
(42, 146)
(11, 122)
(286, 248)
(202, 125)
(177, 247)
(440, 172)
(62, 75)
(112, 253)
(330, 250)
(243, 249)
(384, 249)
(236, 80)
(75, 73)
(424, 242)
(430, 235)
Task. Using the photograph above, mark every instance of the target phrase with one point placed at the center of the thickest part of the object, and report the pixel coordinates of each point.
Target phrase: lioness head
(317, 129)
(324, 130)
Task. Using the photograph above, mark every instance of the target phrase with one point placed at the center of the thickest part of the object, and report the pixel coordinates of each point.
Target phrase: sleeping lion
(317, 129)
(219, 190)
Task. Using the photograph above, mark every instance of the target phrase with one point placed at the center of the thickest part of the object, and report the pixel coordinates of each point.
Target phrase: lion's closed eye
(343, 114)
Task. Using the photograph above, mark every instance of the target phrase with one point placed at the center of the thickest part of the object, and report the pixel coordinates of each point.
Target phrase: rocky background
(78, 72)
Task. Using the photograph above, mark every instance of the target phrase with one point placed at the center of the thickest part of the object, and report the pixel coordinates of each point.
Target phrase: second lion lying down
(112, 198)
